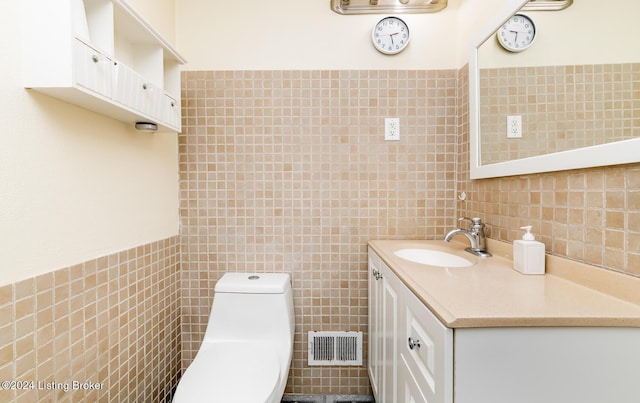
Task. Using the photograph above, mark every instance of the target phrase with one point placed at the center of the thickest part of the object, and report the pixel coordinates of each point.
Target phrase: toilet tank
(254, 283)
(252, 306)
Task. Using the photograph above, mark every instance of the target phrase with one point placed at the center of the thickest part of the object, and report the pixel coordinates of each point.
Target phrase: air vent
(335, 348)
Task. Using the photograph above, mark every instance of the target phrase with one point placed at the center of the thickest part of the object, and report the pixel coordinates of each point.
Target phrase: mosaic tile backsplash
(106, 330)
(562, 108)
(588, 215)
(288, 171)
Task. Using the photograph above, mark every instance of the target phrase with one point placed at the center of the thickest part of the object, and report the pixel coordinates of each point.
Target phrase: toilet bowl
(247, 348)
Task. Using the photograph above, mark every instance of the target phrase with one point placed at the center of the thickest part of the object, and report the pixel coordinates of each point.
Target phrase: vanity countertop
(492, 294)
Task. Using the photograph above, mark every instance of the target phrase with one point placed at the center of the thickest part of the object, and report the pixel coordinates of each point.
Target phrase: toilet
(247, 348)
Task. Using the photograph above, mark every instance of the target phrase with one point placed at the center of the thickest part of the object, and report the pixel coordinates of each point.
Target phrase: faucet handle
(473, 221)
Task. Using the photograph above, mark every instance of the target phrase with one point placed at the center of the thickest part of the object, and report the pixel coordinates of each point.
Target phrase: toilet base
(242, 372)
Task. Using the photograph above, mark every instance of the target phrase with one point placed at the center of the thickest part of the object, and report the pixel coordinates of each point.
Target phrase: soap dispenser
(528, 254)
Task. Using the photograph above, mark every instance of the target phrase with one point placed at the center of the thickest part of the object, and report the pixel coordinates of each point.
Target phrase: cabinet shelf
(102, 56)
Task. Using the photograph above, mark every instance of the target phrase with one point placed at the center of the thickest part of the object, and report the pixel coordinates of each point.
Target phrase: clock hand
(391, 35)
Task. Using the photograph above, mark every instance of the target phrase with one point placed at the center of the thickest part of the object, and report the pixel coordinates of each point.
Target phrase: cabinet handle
(144, 86)
(173, 104)
(413, 343)
(95, 58)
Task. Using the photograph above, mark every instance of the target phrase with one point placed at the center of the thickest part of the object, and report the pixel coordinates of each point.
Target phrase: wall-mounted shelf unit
(102, 56)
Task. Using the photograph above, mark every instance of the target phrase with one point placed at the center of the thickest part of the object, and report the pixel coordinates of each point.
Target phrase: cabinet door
(375, 332)
(127, 87)
(410, 391)
(153, 101)
(390, 328)
(171, 114)
(383, 330)
(134, 92)
(92, 70)
(427, 348)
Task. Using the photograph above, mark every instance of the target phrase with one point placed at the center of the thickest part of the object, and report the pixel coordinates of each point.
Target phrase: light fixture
(146, 126)
(545, 5)
(387, 6)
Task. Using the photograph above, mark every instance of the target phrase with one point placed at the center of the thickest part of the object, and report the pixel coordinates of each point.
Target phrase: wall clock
(517, 34)
(390, 35)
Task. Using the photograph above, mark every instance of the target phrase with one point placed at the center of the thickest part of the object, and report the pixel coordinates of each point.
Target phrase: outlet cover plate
(514, 126)
(392, 129)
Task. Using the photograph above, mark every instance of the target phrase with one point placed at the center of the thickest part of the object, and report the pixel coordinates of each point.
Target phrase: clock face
(517, 34)
(390, 35)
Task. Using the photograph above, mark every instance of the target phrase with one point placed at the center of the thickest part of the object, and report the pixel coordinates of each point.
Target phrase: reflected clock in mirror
(577, 92)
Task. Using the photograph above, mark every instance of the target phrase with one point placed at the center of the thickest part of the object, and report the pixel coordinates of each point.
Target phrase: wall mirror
(576, 90)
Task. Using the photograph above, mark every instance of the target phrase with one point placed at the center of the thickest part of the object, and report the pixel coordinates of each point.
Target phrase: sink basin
(433, 257)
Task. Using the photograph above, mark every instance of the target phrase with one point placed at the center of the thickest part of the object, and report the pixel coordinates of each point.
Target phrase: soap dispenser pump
(528, 254)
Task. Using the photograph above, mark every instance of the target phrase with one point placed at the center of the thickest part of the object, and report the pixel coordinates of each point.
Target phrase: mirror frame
(620, 152)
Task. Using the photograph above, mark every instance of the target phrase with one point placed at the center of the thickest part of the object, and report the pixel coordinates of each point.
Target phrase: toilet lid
(230, 372)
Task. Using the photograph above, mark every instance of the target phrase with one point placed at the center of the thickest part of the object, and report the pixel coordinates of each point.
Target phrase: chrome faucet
(475, 235)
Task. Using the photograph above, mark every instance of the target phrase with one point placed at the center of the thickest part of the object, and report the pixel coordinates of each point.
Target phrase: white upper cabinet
(102, 56)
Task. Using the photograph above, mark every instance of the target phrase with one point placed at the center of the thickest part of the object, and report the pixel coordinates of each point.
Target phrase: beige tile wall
(588, 215)
(288, 171)
(562, 108)
(112, 321)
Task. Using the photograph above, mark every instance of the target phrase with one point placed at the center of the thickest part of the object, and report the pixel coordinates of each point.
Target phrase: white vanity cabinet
(410, 351)
(551, 365)
(414, 357)
(102, 56)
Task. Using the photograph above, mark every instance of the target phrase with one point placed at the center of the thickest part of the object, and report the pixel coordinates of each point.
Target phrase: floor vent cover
(335, 348)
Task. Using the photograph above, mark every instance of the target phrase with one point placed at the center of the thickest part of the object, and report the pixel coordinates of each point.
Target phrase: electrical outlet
(514, 127)
(391, 129)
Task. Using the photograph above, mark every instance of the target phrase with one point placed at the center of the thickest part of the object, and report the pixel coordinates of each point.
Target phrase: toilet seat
(239, 372)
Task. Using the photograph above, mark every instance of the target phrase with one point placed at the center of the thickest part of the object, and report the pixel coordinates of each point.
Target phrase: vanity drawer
(427, 349)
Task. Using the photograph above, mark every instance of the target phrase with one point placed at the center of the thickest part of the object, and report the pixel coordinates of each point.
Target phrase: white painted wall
(75, 185)
(588, 32)
(280, 34)
(160, 14)
(477, 17)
